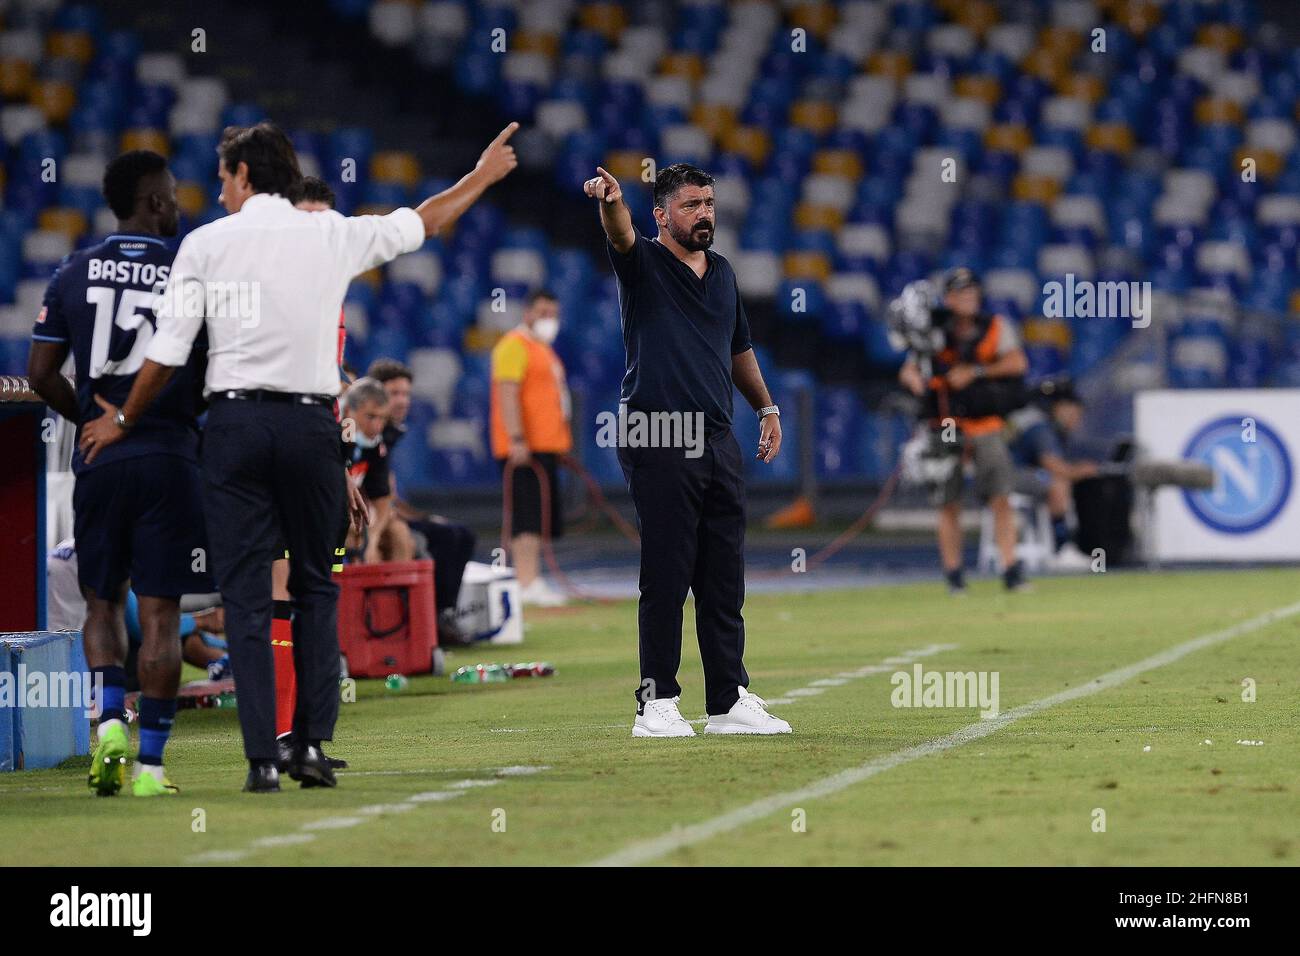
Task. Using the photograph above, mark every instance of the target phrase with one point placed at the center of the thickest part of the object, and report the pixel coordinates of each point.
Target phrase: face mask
(546, 330)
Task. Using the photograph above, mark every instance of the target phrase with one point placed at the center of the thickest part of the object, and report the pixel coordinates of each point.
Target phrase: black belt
(266, 395)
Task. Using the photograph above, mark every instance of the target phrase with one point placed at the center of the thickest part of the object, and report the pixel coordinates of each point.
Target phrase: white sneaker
(747, 716)
(541, 594)
(661, 718)
(1069, 558)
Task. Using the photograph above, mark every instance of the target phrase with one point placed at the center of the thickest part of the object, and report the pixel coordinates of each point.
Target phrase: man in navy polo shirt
(687, 342)
(138, 520)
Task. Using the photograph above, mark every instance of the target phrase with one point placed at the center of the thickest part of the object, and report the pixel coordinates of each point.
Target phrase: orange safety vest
(541, 394)
(984, 352)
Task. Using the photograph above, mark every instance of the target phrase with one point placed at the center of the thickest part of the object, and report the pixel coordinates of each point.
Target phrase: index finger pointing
(605, 175)
(505, 134)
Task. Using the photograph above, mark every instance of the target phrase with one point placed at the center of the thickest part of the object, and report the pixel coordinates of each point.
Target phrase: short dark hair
(272, 163)
(961, 277)
(123, 175)
(386, 369)
(311, 189)
(537, 294)
(674, 177)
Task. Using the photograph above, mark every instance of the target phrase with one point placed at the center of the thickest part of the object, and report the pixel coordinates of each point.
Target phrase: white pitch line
(306, 833)
(643, 851)
(219, 856)
(813, 688)
(435, 796)
(333, 823)
(286, 839)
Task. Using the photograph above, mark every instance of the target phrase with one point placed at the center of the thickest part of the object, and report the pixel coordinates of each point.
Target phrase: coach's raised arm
(614, 214)
(268, 283)
(355, 245)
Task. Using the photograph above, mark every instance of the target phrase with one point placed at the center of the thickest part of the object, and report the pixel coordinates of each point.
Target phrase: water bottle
(396, 682)
(532, 669)
(481, 674)
(226, 699)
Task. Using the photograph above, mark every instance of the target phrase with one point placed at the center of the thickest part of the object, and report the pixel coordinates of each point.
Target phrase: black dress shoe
(284, 755)
(311, 768)
(285, 758)
(262, 778)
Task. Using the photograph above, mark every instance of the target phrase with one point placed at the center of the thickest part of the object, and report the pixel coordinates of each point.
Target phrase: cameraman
(1039, 437)
(974, 379)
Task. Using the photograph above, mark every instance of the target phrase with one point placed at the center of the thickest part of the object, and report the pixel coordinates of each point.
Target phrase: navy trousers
(691, 513)
(272, 468)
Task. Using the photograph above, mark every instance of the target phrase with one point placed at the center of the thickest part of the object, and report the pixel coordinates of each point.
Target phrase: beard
(697, 240)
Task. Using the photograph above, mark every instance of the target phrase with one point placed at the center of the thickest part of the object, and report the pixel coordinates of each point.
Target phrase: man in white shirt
(269, 281)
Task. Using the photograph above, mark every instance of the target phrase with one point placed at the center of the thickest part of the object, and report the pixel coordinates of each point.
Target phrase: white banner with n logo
(1250, 438)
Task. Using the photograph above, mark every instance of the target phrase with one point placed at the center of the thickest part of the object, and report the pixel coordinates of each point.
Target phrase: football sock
(156, 718)
(956, 578)
(1060, 532)
(286, 682)
(112, 693)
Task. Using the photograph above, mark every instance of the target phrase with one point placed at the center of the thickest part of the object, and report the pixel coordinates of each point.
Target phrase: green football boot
(147, 785)
(108, 761)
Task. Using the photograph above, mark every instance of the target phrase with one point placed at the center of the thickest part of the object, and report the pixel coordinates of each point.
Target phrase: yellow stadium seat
(838, 162)
(1046, 65)
(395, 166)
(1110, 138)
(1087, 86)
(192, 197)
(75, 46)
(71, 222)
(371, 277)
(688, 65)
(15, 79)
(1211, 109)
(1137, 16)
(1061, 42)
(817, 18)
(1220, 36)
(1268, 164)
(1040, 331)
(531, 41)
(807, 265)
(979, 87)
(975, 15)
(892, 63)
(818, 116)
(1031, 187)
(373, 209)
(1008, 138)
(607, 19)
(1295, 303)
(749, 141)
(625, 165)
(479, 340)
(714, 118)
(54, 98)
(813, 216)
(145, 138)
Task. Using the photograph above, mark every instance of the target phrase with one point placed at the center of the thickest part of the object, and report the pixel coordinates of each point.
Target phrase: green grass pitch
(426, 785)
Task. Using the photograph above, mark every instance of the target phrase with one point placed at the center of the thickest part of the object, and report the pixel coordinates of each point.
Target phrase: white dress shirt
(269, 282)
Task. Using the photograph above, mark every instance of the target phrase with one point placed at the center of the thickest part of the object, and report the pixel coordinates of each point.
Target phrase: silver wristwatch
(122, 423)
(768, 410)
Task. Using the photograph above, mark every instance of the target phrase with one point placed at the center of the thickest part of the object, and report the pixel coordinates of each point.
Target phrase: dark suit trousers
(273, 468)
(691, 512)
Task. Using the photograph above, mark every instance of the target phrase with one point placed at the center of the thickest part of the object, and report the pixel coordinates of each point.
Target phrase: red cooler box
(387, 620)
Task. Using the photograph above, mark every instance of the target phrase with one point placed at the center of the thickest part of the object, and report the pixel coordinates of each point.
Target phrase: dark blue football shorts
(141, 519)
